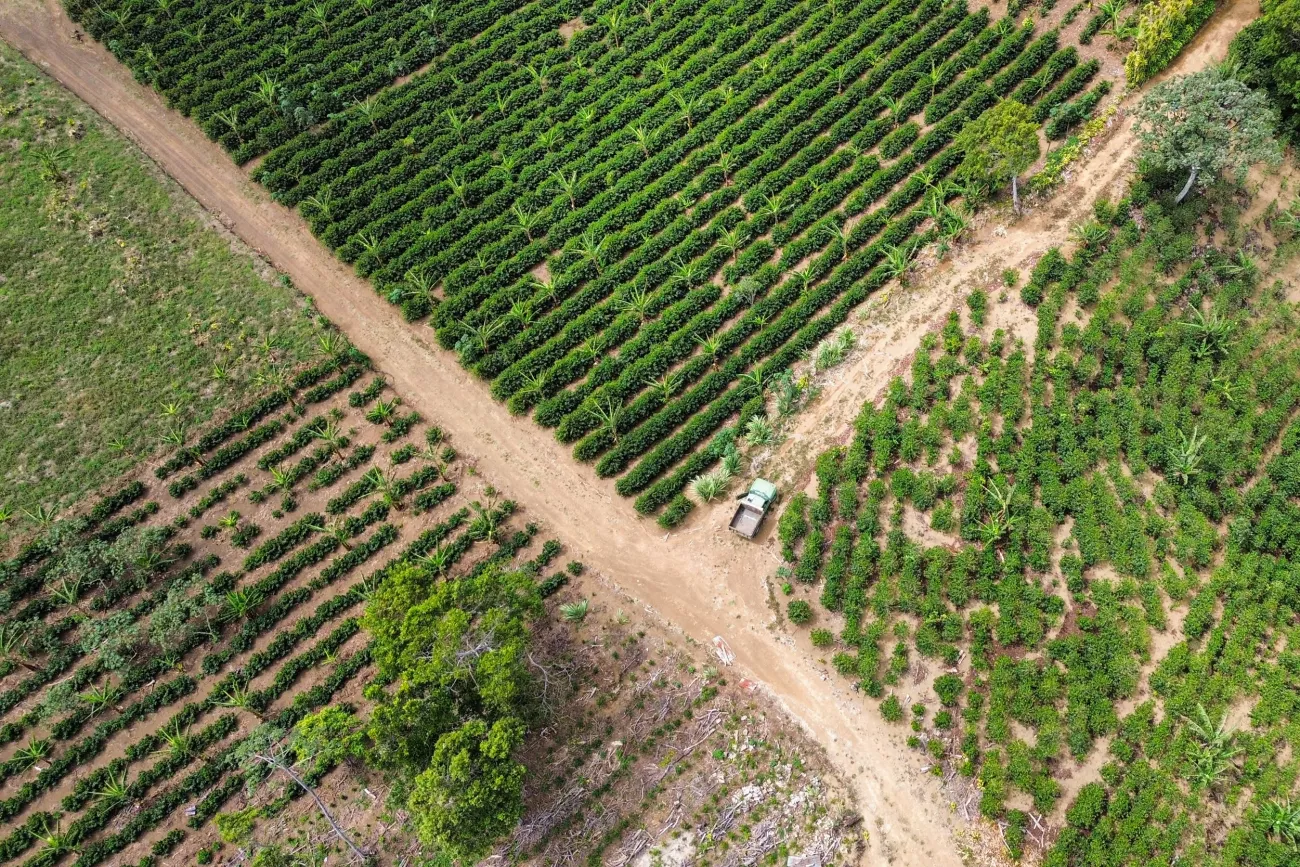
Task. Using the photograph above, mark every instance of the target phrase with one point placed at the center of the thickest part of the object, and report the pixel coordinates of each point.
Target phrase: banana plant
(567, 184)
(837, 234)
(608, 413)
(525, 219)
(636, 300)
(731, 241)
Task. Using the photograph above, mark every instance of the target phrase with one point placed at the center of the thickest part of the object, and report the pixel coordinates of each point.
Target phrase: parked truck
(753, 507)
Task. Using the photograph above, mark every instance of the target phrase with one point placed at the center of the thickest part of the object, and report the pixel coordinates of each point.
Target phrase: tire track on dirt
(702, 580)
(706, 584)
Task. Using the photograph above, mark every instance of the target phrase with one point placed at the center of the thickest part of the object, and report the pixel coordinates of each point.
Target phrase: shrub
(948, 687)
(800, 611)
(892, 709)
(1088, 807)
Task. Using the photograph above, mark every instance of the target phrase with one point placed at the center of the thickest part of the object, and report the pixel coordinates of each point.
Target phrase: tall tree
(472, 791)
(455, 652)
(1204, 124)
(999, 145)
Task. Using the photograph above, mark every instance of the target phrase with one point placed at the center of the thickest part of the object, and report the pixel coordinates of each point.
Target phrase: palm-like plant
(1185, 458)
(14, 644)
(525, 219)
(99, 698)
(239, 696)
(549, 138)
(1241, 267)
(892, 105)
(330, 343)
(543, 290)
(382, 411)
(34, 751)
(608, 413)
(481, 334)
(689, 107)
(336, 529)
(1091, 235)
(281, 480)
(386, 487)
(567, 184)
(56, 841)
(332, 437)
(42, 516)
(726, 162)
(1213, 750)
(753, 382)
(772, 207)
(266, 88)
(636, 300)
(709, 486)
(114, 789)
(642, 138)
(686, 273)
(541, 75)
(710, 345)
(952, 224)
(176, 739)
(665, 386)
(239, 603)
(439, 559)
(759, 432)
(68, 590)
(587, 247)
(1213, 329)
(896, 261)
(487, 518)
(575, 612)
(1280, 821)
(837, 234)
(730, 241)
(613, 22)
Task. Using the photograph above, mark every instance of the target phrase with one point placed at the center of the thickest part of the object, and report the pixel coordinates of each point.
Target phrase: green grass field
(116, 298)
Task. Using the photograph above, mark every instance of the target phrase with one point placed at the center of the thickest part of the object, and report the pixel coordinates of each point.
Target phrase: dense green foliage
(1268, 52)
(1208, 123)
(1164, 28)
(455, 652)
(605, 208)
(1110, 509)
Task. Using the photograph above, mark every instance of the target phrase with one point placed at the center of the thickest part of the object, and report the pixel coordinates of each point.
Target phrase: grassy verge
(117, 298)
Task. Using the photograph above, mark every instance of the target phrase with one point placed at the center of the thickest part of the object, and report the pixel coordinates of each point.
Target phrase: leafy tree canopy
(472, 791)
(456, 650)
(1206, 122)
(999, 145)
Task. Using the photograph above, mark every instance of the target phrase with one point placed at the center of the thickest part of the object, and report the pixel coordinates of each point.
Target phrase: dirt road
(892, 330)
(701, 580)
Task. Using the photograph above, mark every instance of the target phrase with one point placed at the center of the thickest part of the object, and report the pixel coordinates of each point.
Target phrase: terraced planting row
(143, 642)
(631, 230)
(1086, 547)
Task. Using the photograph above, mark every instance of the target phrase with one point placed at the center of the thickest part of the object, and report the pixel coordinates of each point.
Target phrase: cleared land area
(118, 298)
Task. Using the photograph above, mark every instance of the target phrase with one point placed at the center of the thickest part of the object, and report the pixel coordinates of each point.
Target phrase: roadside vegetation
(234, 638)
(123, 313)
(621, 216)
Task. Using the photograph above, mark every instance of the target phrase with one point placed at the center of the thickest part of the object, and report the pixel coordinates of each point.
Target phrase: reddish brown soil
(702, 580)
